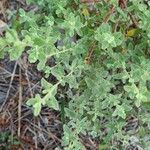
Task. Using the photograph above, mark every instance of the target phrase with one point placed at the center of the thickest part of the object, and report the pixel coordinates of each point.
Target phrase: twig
(134, 21)
(23, 65)
(123, 5)
(29, 83)
(92, 143)
(21, 2)
(11, 126)
(47, 132)
(5, 71)
(90, 52)
(19, 103)
(23, 116)
(36, 85)
(29, 141)
(10, 85)
(89, 1)
(111, 10)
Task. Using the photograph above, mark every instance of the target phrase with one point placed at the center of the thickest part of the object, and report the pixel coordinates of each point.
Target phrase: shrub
(106, 70)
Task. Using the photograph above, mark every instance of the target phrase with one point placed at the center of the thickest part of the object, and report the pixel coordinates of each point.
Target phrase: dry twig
(19, 103)
(10, 85)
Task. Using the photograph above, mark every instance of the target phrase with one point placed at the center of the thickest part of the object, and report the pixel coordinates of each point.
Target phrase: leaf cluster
(102, 94)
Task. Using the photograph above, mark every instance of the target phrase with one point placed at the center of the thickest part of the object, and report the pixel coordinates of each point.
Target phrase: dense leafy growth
(100, 59)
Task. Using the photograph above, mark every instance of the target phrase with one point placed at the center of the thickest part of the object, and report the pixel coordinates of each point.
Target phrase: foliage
(6, 141)
(106, 70)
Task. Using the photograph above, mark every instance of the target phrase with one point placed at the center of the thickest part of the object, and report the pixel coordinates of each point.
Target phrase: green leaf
(46, 85)
(70, 113)
(33, 101)
(119, 111)
(71, 80)
(33, 55)
(37, 108)
(52, 103)
(36, 103)
(58, 72)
